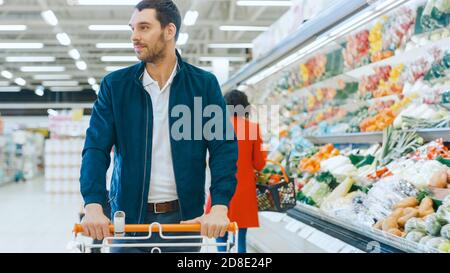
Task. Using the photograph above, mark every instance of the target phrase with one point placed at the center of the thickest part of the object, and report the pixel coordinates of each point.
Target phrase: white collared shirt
(162, 179)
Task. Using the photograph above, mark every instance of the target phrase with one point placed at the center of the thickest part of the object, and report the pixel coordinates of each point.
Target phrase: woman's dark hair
(166, 12)
(238, 101)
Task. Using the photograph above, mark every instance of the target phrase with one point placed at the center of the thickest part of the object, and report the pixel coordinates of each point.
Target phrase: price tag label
(293, 226)
(305, 232)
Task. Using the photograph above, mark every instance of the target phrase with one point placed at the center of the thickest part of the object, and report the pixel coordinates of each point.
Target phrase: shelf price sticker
(272, 216)
(293, 226)
(306, 232)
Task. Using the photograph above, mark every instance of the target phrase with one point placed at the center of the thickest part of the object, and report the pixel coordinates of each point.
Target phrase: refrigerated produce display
(365, 130)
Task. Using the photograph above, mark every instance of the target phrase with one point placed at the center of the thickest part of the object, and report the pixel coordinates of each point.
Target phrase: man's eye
(144, 28)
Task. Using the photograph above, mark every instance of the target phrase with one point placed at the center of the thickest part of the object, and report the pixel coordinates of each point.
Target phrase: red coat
(243, 207)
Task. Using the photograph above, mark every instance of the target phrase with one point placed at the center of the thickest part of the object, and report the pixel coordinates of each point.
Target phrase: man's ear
(170, 31)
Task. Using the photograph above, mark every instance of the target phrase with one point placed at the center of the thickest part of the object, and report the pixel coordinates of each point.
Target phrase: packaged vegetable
(443, 214)
(408, 213)
(445, 231)
(415, 236)
(425, 239)
(433, 225)
(435, 242)
(415, 224)
(444, 247)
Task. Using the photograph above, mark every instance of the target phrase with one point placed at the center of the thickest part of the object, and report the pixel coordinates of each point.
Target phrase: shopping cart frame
(120, 228)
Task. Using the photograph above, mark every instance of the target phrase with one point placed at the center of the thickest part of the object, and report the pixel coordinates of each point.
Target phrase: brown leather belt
(163, 207)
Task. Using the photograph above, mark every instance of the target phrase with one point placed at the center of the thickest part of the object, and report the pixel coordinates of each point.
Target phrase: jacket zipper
(171, 148)
(145, 161)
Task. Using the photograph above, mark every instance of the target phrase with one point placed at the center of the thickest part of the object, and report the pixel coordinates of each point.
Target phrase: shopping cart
(120, 228)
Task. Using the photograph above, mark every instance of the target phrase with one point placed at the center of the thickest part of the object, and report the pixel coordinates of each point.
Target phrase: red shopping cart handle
(232, 227)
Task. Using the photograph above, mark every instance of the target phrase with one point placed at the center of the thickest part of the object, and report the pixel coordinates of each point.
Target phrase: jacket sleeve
(259, 156)
(100, 137)
(223, 152)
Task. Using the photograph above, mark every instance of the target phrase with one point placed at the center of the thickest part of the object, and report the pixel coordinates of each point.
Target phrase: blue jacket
(122, 118)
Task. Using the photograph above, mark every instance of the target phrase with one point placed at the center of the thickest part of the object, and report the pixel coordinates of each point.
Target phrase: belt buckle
(155, 210)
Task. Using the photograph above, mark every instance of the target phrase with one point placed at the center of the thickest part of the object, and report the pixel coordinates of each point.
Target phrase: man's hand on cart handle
(95, 223)
(214, 224)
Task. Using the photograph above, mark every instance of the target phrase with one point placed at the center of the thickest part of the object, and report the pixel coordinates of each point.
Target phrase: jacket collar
(141, 67)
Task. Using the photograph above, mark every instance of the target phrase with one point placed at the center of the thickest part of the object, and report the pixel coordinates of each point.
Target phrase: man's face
(149, 39)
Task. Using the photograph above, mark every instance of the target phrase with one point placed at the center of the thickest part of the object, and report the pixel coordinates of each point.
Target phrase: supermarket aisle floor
(35, 221)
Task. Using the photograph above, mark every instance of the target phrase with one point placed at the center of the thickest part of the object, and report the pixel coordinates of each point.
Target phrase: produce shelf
(404, 57)
(364, 238)
(376, 137)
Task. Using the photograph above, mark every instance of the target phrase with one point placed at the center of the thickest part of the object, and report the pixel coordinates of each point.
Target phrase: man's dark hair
(237, 98)
(166, 12)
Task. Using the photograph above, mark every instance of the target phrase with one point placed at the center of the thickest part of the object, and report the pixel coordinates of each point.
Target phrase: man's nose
(135, 37)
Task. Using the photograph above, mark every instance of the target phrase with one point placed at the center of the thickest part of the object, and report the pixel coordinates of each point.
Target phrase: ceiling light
(63, 38)
(92, 81)
(265, 3)
(231, 59)
(10, 89)
(27, 59)
(52, 77)
(39, 91)
(243, 28)
(60, 83)
(74, 54)
(20, 81)
(21, 45)
(49, 17)
(182, 39)
(13, 27)
(235, 45)
(114, 45)
(113, 68)
(96, 88)
(42, 68)
(81, 65)
(106, 2)
(66, 89)
(7, 74)
(119, 59)
(190, 18)
(109, 28)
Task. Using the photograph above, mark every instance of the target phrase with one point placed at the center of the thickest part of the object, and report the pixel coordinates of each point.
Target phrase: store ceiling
(76, 20)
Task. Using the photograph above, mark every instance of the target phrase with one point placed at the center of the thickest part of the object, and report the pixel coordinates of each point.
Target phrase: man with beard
(156, 177)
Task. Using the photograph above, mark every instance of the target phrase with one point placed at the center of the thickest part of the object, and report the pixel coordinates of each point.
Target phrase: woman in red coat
(243, 207)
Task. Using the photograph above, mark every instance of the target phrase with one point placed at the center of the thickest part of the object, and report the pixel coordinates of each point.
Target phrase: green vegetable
(425, 239)
(444, 161)
(435, 242)
(445, 231)
(397, 144)
(444, 247)
(359, 160)
(415, 224)
(327, 178)
(364, 189)
(414, 236)
(443, 214)
(422, 194)
(433, 225)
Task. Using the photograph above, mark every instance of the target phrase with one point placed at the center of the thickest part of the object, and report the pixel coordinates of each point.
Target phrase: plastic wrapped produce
(445, 231)
(443, 214)
(415, 236)
(387, 192)
(415, 224)
(435, 242)
(425, 239)
(433, 225)
(444, 247)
